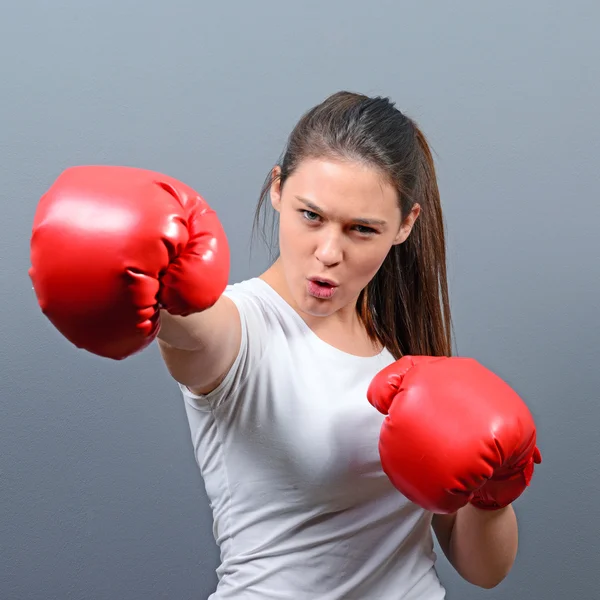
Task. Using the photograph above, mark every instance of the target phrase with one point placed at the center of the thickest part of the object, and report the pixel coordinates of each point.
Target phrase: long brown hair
(405, 306)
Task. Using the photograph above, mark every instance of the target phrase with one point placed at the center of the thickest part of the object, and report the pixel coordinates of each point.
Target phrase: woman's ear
(275, 189)
(407, 224)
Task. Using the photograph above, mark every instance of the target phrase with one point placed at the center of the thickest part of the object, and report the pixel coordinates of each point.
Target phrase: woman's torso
(288, 449)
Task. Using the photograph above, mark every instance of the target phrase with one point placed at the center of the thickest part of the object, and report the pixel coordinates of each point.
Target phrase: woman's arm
(200, 348)
(480, 544)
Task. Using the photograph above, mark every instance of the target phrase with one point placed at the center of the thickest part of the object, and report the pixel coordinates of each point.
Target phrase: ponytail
(406, 305)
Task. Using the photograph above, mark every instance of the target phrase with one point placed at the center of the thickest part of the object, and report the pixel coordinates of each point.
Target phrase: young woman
(323, 484)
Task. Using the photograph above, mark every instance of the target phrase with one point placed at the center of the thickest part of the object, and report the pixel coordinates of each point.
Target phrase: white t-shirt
(288, 449)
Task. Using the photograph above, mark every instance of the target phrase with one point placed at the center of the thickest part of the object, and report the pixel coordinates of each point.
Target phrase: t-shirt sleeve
(254, 338)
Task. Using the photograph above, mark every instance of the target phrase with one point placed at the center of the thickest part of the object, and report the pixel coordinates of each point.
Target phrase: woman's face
(337, 222)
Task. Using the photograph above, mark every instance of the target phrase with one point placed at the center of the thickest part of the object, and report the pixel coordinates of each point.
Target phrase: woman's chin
(317, 307)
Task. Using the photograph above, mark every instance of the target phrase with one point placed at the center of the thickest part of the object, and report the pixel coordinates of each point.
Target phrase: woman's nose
(329, 251)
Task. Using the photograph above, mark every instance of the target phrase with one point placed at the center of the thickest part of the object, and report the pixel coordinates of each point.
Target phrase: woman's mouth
(321, 288)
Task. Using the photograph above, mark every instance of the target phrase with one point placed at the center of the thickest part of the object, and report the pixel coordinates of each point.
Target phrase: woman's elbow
(488, 581)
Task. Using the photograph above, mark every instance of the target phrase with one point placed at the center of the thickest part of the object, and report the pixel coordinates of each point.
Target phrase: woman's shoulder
(252, 286)
(256, 293)
(259, 307)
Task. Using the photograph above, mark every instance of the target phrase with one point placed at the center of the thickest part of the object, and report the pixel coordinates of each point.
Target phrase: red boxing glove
(454, 433)
(112, 245)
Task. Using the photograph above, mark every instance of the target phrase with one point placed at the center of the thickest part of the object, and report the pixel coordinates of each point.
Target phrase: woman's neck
(342, 329)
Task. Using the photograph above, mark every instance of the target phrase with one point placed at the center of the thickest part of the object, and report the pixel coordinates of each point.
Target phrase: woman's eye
(309, 215)
(365, 230)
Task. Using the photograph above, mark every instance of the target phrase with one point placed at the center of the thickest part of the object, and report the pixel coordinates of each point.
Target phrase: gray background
(100, 497)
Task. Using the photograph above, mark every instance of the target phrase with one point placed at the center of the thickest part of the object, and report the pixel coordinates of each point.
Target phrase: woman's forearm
(183, 333)
(483, 544)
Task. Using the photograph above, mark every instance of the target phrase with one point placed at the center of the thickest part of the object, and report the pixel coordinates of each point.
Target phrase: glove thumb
(386, 385)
